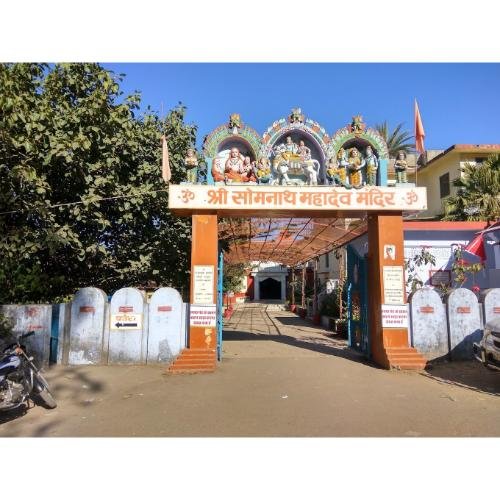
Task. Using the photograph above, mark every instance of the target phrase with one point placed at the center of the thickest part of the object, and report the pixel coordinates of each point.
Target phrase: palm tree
(477, 197)
(396, 141)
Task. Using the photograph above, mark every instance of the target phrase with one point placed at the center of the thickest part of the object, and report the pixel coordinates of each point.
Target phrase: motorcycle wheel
(41, 391)
(47, 398)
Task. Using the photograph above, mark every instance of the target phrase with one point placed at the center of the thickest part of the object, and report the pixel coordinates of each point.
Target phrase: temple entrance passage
(287, 197)
(270, 331)
(270, 289)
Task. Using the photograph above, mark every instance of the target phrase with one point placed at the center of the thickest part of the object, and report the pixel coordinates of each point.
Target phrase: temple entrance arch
(327, 199)
(381, 208)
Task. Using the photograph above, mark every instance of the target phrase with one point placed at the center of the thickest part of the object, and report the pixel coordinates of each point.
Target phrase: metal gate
(220, 273)
(357, 302)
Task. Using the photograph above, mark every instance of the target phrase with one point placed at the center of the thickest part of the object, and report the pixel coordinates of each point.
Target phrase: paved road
(279, 377)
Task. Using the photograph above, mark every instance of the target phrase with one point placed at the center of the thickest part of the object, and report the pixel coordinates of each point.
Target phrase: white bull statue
(288, 163)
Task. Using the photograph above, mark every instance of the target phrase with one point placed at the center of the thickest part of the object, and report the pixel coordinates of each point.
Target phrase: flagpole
(415, 133)
(419, 136)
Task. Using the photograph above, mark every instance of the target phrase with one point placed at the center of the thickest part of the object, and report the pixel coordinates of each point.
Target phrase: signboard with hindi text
(203, 315)
(393, 281)
(203, 284)
(125, 321)
(184, 199)
(394, 316)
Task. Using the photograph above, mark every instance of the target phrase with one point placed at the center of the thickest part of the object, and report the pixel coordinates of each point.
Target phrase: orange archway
(380, 209)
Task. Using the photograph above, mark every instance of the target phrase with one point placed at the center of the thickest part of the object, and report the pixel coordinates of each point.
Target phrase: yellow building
(440, 168)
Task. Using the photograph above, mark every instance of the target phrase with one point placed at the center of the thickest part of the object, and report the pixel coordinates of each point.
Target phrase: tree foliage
(478, 193)
(233, 275)
(423, 258)
(397, 140)
(81, 197)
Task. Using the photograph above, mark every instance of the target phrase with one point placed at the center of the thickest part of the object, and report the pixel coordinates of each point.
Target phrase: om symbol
(187, 195)
(411, 197)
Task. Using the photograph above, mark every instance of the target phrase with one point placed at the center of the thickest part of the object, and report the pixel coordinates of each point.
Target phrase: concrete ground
(280, 376)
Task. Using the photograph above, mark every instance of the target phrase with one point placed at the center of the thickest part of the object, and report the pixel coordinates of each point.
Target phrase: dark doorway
(270, 289)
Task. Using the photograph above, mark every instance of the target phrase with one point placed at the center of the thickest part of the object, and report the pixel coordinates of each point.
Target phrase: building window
(327, 260)
(444, 185)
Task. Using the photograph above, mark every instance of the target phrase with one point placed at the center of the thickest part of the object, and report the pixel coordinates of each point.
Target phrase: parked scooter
(20, 379)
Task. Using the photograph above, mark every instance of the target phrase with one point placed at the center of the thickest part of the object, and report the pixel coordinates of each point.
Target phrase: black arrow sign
(125, 324)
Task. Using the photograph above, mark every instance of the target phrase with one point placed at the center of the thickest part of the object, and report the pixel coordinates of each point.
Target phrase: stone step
(193, 361)
(197, 351)
(408, 363)
(192, 369)
(397, 350)
(405, 358)
(408, 366)
(402, 358)
(189, 362)
(201, 355)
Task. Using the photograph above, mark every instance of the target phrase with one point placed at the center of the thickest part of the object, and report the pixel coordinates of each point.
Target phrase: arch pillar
(384, 272)
(204, 253)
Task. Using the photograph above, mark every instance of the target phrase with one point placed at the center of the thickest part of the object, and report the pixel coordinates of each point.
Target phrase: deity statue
(263, 171)
(291, 159)
(191, 164)
(303, 151)
(234, 122)
(355, 164)
(234, 166)
(290, 146)
(401, 166)
(335, 174)
(296, 116)
(371, 167)
(218, 170)
(357, 126)
(332, 172)
(247, 173)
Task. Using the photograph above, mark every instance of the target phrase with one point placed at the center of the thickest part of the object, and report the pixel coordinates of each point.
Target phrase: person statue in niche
(234, 166)
(355, 164)
(371, 167)
(247, 174)
(191, 164)
(336, 169)
(401, 166)
(290, 147)
(332, 172)
(218, 171)
(263, 171)
(303, 151)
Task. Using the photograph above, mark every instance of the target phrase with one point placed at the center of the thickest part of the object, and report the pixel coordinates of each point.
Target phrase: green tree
(397, 140)
(81, 197)
(478, 193)
(232, 276)
(423, 258)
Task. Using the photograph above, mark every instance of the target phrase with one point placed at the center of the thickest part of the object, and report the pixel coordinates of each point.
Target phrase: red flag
(419, 131)
(474, 251)
(165, 164)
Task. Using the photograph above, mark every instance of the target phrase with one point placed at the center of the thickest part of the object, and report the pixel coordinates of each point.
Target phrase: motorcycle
(20, 379)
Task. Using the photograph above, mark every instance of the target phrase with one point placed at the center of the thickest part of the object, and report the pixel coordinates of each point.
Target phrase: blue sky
(459, 103)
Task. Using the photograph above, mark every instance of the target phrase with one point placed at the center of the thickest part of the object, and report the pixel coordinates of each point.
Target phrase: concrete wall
(84, 334)
(447, 328)
(32, 318)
